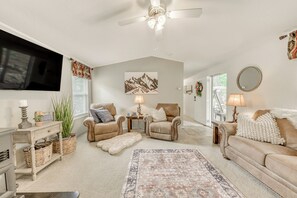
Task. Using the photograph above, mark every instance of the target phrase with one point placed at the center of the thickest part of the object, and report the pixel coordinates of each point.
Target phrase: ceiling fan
(158, 14)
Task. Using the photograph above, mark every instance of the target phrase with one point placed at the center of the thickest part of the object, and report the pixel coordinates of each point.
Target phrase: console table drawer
(48, 131)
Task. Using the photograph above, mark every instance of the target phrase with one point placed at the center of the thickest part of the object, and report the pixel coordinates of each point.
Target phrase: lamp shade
(236, 100)
(138, 99)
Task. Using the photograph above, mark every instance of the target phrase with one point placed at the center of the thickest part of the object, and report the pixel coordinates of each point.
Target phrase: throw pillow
(93, 113)
(159, 115)
(104, 115)
(263, 129)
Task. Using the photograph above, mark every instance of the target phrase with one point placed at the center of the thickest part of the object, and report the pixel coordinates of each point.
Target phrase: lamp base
(235, 114)
(25, 124)
(139, 110)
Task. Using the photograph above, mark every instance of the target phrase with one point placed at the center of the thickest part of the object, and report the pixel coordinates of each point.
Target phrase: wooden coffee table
(129, 121)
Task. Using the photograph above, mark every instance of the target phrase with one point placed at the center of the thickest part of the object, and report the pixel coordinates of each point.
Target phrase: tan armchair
(102, 131)
(165, 130)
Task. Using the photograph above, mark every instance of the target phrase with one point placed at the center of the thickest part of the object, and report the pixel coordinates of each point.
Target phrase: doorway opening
(217, 99)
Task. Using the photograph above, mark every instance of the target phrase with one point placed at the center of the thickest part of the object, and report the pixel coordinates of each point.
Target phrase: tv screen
(27, 66)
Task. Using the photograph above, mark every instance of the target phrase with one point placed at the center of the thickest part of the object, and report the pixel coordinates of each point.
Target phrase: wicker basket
(43, 153)
(69, 145)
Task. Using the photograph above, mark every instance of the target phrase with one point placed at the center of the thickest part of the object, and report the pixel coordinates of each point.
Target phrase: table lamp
(235, 100)
(139, 100)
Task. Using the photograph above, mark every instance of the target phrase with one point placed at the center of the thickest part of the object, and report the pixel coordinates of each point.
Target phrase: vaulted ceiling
(88, 30)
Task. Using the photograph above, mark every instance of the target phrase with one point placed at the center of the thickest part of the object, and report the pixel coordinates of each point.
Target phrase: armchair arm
(120, 119)
(174, 124)
(89, 122)
(227, 130)
(148, 120)
(176, 121)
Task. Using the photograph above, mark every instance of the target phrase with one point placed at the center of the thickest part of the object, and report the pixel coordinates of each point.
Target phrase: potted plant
(63, 111)
(38, 118)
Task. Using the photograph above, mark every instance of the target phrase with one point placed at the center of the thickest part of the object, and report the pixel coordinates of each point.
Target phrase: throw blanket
(289, 114)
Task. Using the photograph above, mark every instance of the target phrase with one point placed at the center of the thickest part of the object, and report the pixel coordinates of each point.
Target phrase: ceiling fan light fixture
(151, 22)
(161, 19)
(158, 27)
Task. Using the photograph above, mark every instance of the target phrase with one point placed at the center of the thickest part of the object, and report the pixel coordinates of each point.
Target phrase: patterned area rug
(175, 173)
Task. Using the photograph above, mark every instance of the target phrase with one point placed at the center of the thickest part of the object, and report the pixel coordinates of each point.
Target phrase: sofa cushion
(258, 113)
(284, 166)
(258, 150)
(263, 129)
(161, 127)
(288, 131)
(103, 128)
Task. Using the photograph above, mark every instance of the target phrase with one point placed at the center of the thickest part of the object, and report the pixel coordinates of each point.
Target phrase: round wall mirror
(249, 78)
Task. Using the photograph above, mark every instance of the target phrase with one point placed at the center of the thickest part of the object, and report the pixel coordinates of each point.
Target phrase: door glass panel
(219, 97)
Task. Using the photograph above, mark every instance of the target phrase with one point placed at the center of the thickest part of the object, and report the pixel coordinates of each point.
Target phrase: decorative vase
(68, 143)
(38, 124)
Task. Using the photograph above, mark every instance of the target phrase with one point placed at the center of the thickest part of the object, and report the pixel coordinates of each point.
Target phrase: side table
(216, 134)
(129, 121)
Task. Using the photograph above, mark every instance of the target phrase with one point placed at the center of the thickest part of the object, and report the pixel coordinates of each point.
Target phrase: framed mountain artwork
(141, 82)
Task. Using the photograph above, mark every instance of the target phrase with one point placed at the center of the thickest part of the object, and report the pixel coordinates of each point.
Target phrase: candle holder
(25, 123)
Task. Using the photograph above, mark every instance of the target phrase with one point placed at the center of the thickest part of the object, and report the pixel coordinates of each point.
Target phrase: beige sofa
(274, 165)
(165, 130)
(102, 131)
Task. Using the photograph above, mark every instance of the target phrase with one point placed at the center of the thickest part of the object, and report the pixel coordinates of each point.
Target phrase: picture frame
(141, 83)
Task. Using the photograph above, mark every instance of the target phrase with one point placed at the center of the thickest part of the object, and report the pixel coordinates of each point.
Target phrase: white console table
(31, 135)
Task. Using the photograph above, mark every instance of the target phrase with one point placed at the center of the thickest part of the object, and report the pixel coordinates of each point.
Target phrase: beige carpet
(95, 173)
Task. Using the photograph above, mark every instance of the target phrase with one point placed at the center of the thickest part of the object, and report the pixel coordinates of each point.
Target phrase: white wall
(196, 109)
(279, 85)
(108, 84)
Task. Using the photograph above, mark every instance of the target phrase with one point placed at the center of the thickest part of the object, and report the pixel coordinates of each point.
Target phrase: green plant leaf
(64, 112)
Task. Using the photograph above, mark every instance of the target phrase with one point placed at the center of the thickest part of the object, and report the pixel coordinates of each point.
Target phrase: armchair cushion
(104, 115)
(159, 115)
(161, 127)
(171, 110)
(103, 128)
(93, 113)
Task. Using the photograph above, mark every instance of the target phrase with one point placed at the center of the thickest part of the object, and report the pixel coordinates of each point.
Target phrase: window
(80, 93)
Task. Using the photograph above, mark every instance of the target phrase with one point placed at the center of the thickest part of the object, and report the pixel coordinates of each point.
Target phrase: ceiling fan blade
(132, 20)
(155, 3)
(186, 13)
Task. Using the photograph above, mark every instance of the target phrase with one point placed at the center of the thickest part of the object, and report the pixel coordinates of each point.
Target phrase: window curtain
(80, 70)
(292, 45)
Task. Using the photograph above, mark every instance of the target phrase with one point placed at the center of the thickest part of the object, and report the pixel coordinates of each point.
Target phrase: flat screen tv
(27, 66)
